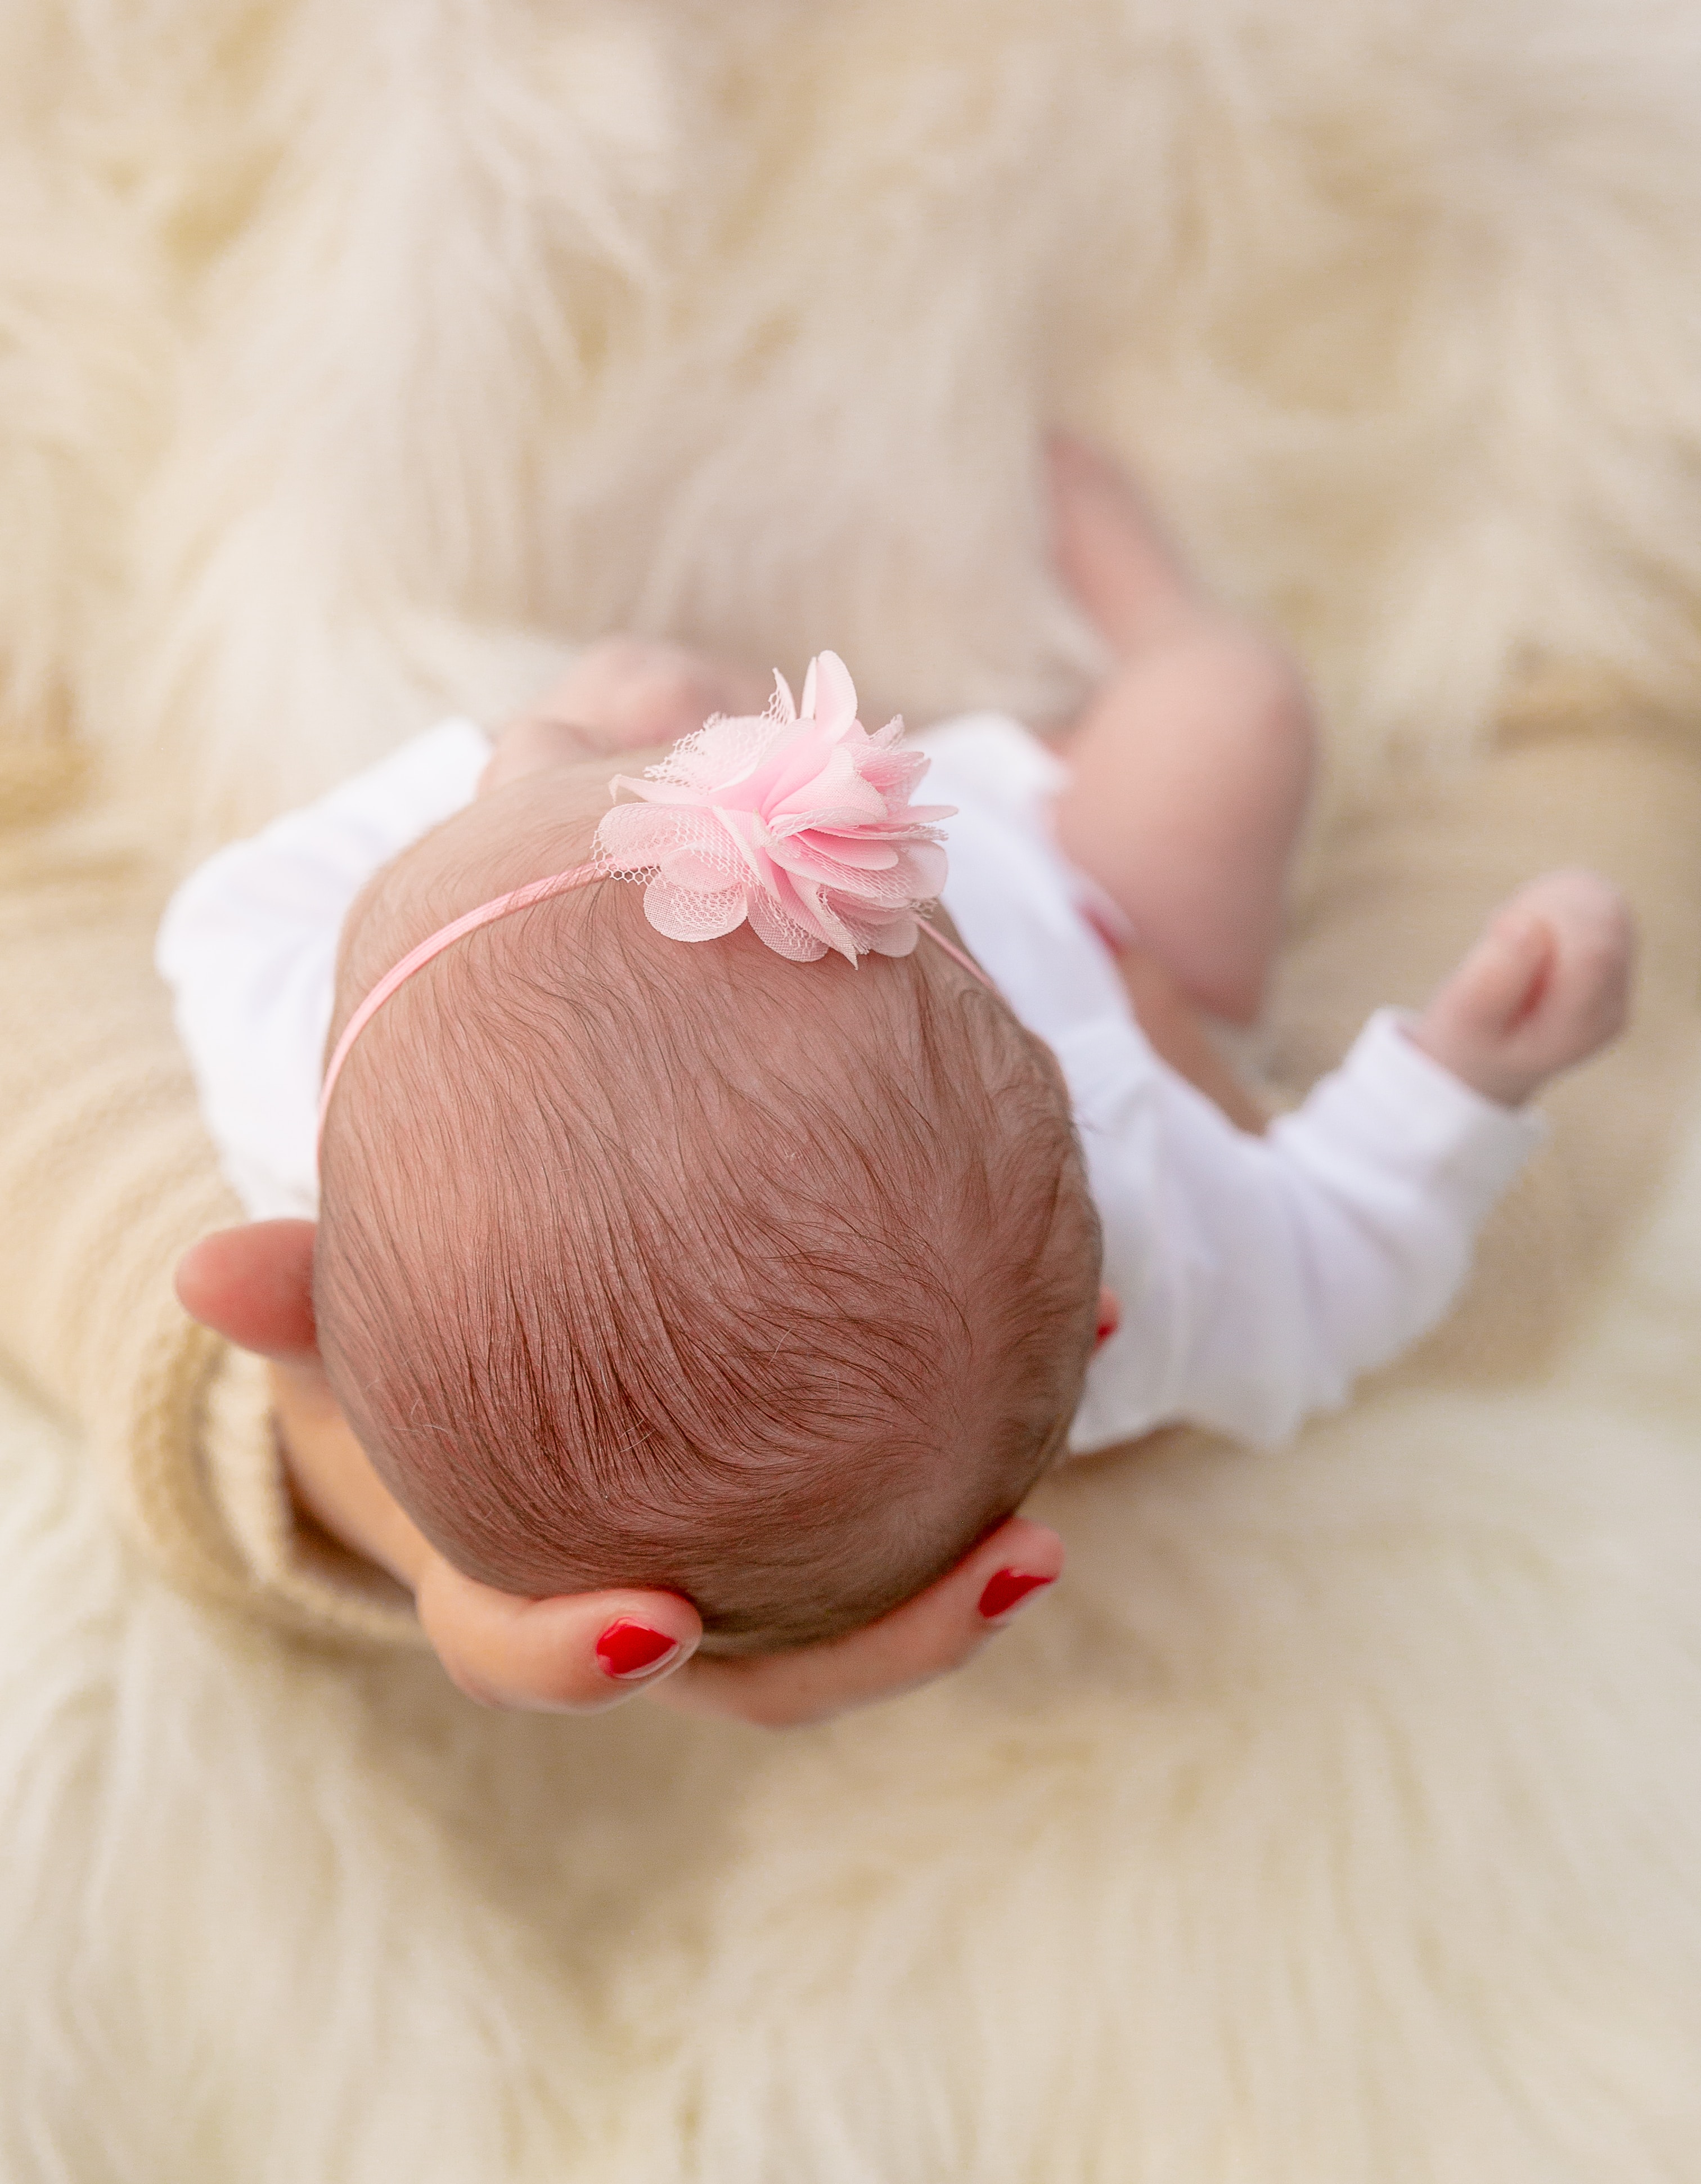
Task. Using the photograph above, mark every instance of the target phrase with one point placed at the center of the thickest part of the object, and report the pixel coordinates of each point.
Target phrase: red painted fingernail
(1007, 1589)
(628, 1649)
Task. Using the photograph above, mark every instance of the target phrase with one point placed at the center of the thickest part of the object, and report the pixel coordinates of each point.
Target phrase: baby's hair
(686, 1266)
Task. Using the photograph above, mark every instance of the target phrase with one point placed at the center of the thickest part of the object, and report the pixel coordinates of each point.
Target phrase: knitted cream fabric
(105, 1178)
(346, 374)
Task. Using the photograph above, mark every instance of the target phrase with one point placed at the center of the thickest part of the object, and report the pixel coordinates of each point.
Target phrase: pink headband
(798, 822)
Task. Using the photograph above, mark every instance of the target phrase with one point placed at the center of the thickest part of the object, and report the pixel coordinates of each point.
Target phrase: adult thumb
(254, 1286)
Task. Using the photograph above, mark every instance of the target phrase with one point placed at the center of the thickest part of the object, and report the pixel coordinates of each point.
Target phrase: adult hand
(938, 1630)
(578, 1652)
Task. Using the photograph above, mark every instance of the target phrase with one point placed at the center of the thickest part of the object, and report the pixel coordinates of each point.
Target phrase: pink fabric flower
(801, 822)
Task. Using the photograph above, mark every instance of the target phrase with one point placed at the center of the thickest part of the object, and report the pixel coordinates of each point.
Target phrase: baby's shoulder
(1025, 912)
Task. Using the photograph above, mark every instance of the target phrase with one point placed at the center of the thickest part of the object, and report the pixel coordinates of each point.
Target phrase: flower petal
(786, 935)
(687, 914)
(830, 685)
(800, 821)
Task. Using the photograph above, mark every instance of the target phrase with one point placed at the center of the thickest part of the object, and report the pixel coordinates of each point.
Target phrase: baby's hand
(1546, 986)
(622, 694)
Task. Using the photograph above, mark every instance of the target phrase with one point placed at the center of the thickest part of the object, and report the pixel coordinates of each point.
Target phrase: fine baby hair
(766, 1271)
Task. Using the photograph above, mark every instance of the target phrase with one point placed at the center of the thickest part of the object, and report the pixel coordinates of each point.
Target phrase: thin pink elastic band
(504, 906)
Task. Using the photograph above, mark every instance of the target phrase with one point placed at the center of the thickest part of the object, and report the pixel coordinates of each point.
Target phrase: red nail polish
(629, 1648)
(1007, 1589)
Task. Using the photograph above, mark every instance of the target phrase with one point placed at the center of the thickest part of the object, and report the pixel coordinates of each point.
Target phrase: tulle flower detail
(796, 819)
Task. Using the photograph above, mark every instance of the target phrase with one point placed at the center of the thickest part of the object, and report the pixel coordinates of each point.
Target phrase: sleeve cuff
(296, 1576)
(1388, 1092)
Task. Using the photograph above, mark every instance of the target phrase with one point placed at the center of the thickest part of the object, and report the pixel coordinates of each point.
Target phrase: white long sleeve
(1259, 1277)
(248, 947)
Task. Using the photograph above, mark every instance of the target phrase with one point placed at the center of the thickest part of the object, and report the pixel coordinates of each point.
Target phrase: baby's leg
(1192, 765)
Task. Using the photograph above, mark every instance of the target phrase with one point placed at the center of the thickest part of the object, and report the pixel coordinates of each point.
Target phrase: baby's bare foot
(1109, 550)
(624, 693)
(1547, 986)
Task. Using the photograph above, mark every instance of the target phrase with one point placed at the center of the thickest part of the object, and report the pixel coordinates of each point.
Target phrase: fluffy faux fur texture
(1340, 1826)
(1339, 1822)
(357, 358)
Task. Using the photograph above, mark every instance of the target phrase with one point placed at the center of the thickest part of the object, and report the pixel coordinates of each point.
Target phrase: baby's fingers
(1594, 948)
(938, 1630)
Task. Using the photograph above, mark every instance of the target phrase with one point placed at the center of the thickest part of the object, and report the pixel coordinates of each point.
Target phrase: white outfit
(1258, 1277)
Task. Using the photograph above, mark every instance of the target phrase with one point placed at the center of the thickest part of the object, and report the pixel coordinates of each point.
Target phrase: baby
(775, 1269)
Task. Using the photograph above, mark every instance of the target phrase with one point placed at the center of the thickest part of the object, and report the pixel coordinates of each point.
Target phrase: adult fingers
(254, 1285)
(575, 1653)
(938, 1630)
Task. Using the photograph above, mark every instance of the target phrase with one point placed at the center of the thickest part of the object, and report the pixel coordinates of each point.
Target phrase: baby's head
(770, 1282)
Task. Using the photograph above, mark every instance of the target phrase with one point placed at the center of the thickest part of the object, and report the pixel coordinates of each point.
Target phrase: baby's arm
(1546, 986)
(1263, 1277)
(248, 948)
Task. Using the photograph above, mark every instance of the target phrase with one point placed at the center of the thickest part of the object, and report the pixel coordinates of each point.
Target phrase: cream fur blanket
(1339, 1821)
